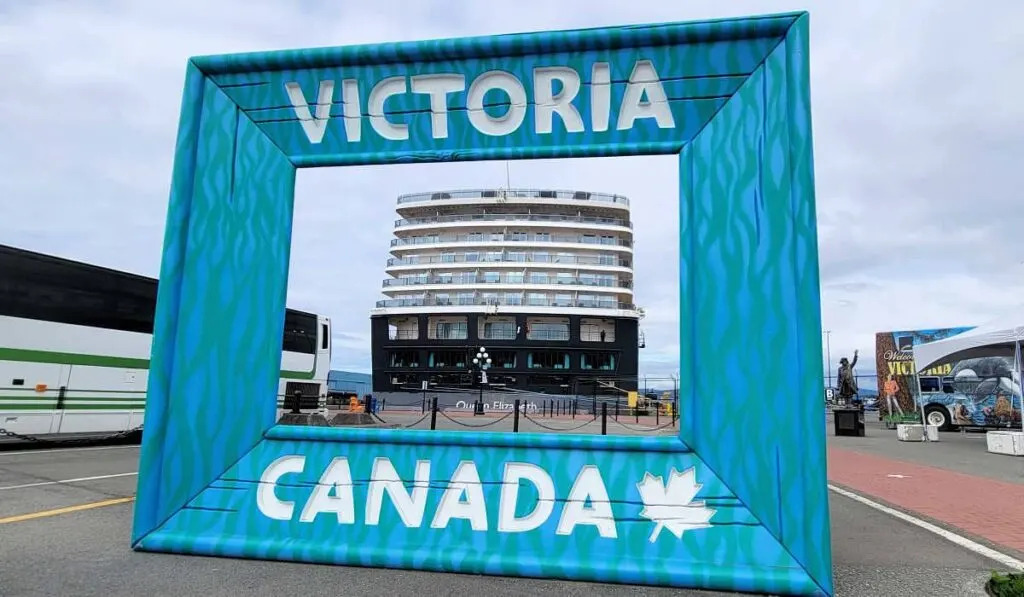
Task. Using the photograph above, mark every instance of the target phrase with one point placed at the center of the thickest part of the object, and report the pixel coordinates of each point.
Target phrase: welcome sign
(738, 501)
(463, 498)
(643, 97)
(648, 99)
(650, 501)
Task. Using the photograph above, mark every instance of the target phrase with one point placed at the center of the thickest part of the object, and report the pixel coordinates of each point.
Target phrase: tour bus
(978, 393)
(75, 345)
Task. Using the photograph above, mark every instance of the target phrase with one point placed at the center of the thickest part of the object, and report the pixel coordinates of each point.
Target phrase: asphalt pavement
(79, 548)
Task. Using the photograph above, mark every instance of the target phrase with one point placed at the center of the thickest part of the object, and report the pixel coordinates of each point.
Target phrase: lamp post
(828, 355)
(481, 362)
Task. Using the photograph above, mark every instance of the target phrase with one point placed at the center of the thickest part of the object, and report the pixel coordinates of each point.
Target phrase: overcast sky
(918, 130)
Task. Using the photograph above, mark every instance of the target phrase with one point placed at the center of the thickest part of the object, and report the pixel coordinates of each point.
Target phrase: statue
(847, 380)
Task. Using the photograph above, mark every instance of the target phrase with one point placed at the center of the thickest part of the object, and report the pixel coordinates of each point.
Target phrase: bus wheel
(938, 415)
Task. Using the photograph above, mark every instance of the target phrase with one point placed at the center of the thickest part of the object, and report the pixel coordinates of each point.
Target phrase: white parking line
(61, 450)
(960, 540)
(66, 481)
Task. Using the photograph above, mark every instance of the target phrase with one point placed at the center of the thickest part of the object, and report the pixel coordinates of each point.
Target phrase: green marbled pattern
(749, 270)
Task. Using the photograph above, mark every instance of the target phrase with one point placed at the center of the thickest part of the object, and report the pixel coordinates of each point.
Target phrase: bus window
(299, 332)
(947, 386)
(326, 336)
(930, 384)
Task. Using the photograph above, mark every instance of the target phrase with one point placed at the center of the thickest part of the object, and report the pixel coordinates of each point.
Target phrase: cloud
(917, 127)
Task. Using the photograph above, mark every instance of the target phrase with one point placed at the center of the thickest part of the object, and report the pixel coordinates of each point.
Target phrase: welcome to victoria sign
(737, 501)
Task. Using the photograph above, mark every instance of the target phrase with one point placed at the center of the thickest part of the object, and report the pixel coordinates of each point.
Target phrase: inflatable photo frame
(738, 501)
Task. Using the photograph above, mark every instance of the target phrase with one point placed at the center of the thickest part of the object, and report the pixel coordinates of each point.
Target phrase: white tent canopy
(999, 337)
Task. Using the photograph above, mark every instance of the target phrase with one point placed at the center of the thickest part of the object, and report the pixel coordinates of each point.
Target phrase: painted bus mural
(978, 392)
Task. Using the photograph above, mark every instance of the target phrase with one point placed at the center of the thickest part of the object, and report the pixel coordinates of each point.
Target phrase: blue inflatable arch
(739, 501)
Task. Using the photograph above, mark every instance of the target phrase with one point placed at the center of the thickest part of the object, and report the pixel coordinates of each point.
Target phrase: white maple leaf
(671, 506)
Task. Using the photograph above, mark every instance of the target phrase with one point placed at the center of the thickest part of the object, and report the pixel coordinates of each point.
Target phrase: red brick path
(986, 508)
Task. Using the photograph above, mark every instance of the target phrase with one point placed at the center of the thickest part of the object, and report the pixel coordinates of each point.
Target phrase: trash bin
(848, 421)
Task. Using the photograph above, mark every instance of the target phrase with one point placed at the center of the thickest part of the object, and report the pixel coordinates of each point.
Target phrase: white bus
(75, 345)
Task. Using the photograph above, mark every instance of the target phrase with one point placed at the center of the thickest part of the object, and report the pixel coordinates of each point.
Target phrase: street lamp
(828, 355)
(481, 362)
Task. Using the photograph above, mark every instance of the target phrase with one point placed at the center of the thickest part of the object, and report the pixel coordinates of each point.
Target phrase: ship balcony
(514, 259)
(513, 242)
(522, 303)
(513, 197)
(508, 282)
(518, 220)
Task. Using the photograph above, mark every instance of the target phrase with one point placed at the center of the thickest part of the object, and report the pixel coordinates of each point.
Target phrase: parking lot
(65, 519)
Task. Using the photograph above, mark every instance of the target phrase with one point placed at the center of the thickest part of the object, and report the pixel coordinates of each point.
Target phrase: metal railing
(491, 239)
(414, 335)
(469, 301)
(498, 335)
(553, 335)
(513, 218)
(608, 260)
(507, 279)
(512, 194)
(509, 335)
(509, 410)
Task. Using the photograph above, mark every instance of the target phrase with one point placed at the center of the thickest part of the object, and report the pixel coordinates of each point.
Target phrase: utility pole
(828, 355)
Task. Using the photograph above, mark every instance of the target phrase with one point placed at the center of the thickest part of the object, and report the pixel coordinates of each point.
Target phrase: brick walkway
(986, 508)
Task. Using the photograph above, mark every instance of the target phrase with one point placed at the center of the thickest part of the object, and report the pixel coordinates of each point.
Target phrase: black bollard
(604, 418)
(515, 418)
(433, 414)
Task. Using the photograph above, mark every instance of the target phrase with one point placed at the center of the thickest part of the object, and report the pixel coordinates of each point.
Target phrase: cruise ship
(537, 284)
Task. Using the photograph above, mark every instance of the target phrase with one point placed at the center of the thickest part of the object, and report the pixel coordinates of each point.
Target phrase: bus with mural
(977, 393)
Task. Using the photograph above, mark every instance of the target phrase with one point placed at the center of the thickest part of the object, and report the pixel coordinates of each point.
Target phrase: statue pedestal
(309, 419)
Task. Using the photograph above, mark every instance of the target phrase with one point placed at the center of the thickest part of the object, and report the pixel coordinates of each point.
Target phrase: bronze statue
(847, 380)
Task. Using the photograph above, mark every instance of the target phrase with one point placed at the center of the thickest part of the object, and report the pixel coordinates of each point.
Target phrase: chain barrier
(642, 429)
(69, 441)
(409, 426)
(397, 426)
(557, 429)
(495, 422)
